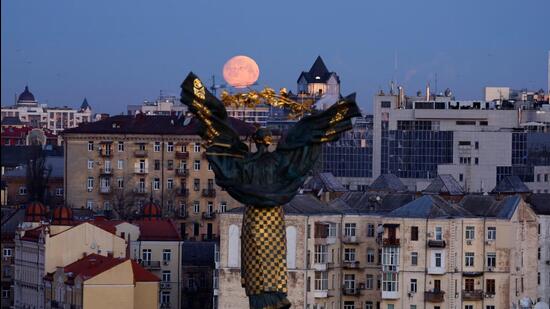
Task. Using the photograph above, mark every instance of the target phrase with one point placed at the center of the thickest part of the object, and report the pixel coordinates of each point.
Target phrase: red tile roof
(141, 274)
(106, 224)
(160, 230)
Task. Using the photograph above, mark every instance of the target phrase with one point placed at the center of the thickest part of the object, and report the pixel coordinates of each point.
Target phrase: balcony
(434, 296)
(140, 190)
(151, 265)
(140, 153)
(208, 215)
(390, 295)
(182, 172)
(209, 192)
(320, 293)
(141, 171)
(436, 243)
(350, 291)
(182, 192)
(165, 285)
(329, 240)
(105, 153)
(106, 172)
(390, 242)
(183, 155)
(436, 270)
(472, 294)
(350, 264)
(321, 266)
(105, 190)
(350, 240)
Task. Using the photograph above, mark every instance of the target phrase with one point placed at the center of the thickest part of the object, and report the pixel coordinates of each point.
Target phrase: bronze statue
(263, 181)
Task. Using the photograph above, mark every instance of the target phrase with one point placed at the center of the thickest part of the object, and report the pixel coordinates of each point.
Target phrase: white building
(541, 205)
(30, 112)
(164, 105)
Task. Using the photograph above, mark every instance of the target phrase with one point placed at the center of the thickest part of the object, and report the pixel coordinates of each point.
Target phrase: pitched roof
(157, 230)
(511, 184)
(11, 218)
(151, 124)
(489, 207)
(318, 73)
(13, 156)
(444, 184)
(388, 182)
(324, 181)
(55, 163)
(141, 274)
(304, 204)
(85, 105)
(540, 202)
(429, 206)
(198, 253)
(11, 121)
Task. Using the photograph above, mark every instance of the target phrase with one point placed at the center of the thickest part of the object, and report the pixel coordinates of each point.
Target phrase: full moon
(241, 71)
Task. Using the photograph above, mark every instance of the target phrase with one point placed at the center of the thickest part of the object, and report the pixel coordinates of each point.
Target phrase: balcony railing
(151, 264)
(165, 285)
(209, 192)
(106, 172)
(141, 171)
(350, 264)
(350, 239)
(105, 190)
(388, 242)
(320, 293)
(472, 294)
(140, 190)
(436, 243)
(350, 291)
(184, 155)
(208, 215)
(182, 192)
(105, 153)
(434, 296)
(182, 172)
(140, 153)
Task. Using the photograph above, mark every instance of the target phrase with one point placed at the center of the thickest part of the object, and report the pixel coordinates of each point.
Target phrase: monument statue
(263, 181)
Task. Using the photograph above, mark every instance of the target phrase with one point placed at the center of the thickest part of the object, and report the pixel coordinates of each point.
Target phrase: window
(156, 184)
(196, 207)
(170, 183)
(491, 233)
(120, 182)
(391, 306)
(170, 165)
(490, 307)
(166, 276)
(385, 104)
(469, 284)
(146, 254)
(413, 285)
(22, 190)
(370, 230)
(490, 286)
(349, 304)
(120, 146)
(223, 206)
(469, 259)
(460, 177)
(120, 164)
(368, 305)
(141, 147)
(170, 147)
(370, 256)
(468, 306)
(321, 254)
(414, 258)
(58, 191)
(156, 147)
(209, 167)
(90, 164)
(438, 233)
(7, 252)
(90, 146)
(197, 147)
(349, 229)
(89, 204)
(369, 283)
(437, 259)
(196, 184)
(349, 254)
(197, 165)
(349, 281)
(5, 293)
(90, 184)
(210, 207)
(491, 259)
(470, 233)
(414, 307)
(476, 161)
(321, 280)
(389, 282)
(414, 232)
(165, 298)
(157, 165)
(166, 255)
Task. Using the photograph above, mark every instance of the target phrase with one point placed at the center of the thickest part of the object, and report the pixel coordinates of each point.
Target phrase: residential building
(318, 84)
(128, 160)
(11, 218)
(199, 275)
(477, 142)
(41, 247)
(254, 115)
(16, 133)
(97, 281)
(36, 115)
(164, 105)
(541, 205)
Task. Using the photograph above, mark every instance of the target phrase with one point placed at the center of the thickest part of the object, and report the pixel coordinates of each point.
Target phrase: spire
(85, 105)
(318, 68)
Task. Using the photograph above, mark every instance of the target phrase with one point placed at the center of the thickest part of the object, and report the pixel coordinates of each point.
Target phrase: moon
(241, 71)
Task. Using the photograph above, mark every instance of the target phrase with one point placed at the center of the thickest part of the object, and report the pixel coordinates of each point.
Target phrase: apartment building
(97, 281)
(163, 105)
(122, 162)
(541, 205)
(55, 119)
(477, 142)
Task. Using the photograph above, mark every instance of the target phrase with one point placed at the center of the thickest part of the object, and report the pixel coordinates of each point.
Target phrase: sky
(122, 52)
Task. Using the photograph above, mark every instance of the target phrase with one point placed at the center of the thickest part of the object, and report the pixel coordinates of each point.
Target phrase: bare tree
(38, 175)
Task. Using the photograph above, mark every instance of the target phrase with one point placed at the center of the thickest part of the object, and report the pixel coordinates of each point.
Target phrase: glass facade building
(529, 149)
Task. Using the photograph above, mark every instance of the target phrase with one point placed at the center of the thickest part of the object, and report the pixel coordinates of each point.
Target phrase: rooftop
(388, 183)
(444, 184)
(325, 182)
(511, 184)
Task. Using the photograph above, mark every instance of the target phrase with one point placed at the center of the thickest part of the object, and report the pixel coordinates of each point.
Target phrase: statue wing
(323, 126)
(214, 125)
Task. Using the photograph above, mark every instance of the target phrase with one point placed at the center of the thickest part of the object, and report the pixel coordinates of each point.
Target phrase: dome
(62, 215)
(151, 211)
(26, 96)
(35, 212)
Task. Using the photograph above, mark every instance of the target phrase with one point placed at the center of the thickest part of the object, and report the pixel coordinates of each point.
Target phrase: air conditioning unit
(469, 242)
(410, 294)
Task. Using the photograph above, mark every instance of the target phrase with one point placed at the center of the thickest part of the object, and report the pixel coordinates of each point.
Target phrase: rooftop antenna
(215, 86)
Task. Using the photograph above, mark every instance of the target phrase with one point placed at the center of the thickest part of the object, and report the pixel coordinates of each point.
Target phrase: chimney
(401, 97)
(428, 92)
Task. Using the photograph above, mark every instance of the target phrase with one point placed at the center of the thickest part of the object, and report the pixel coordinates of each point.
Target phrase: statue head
(262, 136)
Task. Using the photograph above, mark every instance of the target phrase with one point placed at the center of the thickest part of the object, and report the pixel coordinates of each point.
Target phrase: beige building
(97, 281)
(122, 162)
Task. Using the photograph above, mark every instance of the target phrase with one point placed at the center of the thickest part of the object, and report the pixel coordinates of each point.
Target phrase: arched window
(233, 250)
(291, 247)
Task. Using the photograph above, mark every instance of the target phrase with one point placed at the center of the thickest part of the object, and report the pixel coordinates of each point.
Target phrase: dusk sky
(117, 53)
